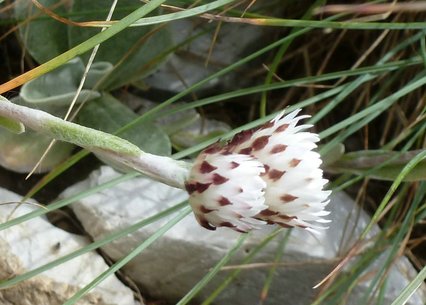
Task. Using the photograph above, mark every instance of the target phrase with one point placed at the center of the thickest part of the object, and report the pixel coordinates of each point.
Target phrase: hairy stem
(163, 169)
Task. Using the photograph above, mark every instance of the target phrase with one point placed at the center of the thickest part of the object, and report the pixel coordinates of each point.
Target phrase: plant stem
(163, 169)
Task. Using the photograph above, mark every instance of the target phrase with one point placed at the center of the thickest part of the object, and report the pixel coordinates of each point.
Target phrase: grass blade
(123, 261)
(203, 282)
(411, 288)
(93, 246)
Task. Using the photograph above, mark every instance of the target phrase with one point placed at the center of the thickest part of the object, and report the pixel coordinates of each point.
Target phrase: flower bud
(267, 175)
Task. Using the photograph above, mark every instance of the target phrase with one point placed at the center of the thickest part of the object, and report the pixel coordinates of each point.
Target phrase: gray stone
(173, 264)
(36, 242)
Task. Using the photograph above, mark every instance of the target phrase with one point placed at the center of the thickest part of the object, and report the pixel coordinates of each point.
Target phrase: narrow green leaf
(411, 288)
(278, 256)
(279, 55)
(93, 246)
(394, 244)
(376, 109)
(44, 38)
(183, 14)
(207, 278)
(123, 261)
(398, 180)
(129, 51)
(64, 202)
(82, 47)
(324, 24)
(55, 172)
(361, 162)
(235, 273)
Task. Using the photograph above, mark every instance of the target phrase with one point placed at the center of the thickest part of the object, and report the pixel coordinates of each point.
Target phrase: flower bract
(267, 175)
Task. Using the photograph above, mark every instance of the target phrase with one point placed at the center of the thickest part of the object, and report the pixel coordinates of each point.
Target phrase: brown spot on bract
(214, 148)
(288, 198)
(268, 212)
(266, 167)
(234, 164)
(224, 201)
(275, 175)
(246, 151)
(226, 224)
(286, 217)
(226, 152)
(281, 128)
(278, 148)
(260, 143)
(236, 215)
(201, 187)
(218, 179)
(240, 230)
(205, 210)
(190, 187)
(241, 137)
(294, 162)
(204, 223)
(267, 125)
(206, 167)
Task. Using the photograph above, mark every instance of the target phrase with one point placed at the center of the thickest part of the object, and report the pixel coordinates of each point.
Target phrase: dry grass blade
(80, 86)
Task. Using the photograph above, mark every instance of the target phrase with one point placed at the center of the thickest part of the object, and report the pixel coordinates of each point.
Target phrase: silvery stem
(163, 169)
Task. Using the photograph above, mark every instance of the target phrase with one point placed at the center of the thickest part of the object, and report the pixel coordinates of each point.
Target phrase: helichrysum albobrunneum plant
(267, 175)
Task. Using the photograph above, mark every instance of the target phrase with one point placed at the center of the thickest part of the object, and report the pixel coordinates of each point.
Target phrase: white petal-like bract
(267, 175)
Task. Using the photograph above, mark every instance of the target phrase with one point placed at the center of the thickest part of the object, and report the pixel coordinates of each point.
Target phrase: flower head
(268, 175)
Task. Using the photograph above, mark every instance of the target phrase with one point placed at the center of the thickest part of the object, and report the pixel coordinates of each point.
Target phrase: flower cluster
(267, 175)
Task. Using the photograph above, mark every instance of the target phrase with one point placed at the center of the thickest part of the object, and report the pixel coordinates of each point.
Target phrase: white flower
(264, 175)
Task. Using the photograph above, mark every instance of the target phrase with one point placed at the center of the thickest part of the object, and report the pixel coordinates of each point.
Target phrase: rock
(170, 267)
(36, 242)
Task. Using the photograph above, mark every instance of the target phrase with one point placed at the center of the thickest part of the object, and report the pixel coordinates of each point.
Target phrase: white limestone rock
(172, 265)
(36, 242)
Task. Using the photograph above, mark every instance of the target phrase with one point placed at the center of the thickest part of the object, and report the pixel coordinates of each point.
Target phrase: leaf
(54, 91)
(379, 164)
(20, 153)
(43, 37)
(108, 114)
(12, 125)
(185, 128)
(333, 155)
(134, 52)
(9, 124)
(411, 288)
